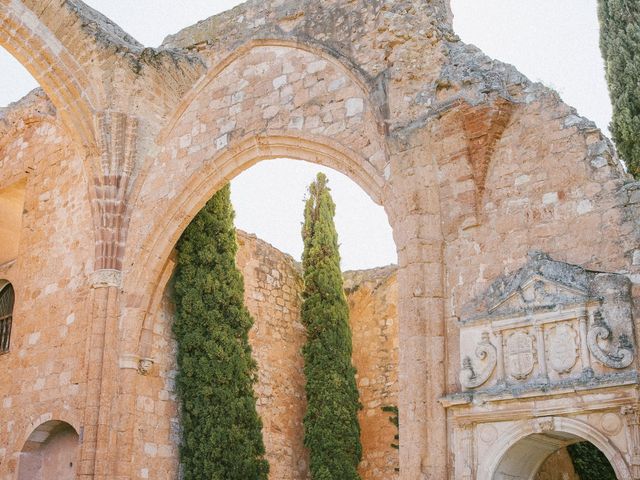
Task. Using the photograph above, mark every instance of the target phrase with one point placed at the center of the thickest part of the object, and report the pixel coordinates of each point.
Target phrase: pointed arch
(47, 59)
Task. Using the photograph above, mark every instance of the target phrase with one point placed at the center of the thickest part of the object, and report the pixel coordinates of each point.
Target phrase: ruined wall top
(334, 21)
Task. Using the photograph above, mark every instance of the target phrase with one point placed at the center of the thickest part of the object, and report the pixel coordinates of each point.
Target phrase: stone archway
(51, 451)
(28, 38)
(278, 100)
(520, 453)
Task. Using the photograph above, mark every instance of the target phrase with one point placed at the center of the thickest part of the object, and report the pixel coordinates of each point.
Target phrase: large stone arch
(528, 447)
(355, 73)
(202, 186)
(235, 135)
(25, 36)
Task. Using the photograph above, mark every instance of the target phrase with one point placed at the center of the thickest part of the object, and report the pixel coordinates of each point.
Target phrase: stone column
(585, 359)
(94, 454)
(466, 431)
(116, 140)
(631, 414)
(415, 217)
(542, 354)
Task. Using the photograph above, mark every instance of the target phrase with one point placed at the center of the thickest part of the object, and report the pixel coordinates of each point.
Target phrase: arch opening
(17, 81)
(273, 285)
(51, 451)
(366, 239)
(554, 456)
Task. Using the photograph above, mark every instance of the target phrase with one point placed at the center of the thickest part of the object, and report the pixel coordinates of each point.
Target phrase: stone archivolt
(474, 164)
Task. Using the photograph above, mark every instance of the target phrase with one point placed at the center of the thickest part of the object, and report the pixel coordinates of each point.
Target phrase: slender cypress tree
(332, 432)
(620, 46)
(221, 430)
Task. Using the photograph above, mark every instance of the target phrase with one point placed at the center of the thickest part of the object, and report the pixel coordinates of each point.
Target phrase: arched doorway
(50, 452)
(554, 455)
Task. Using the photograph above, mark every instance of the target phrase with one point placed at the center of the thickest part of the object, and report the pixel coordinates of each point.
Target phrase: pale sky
(552, 41)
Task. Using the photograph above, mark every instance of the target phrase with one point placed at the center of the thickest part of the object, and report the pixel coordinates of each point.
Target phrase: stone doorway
(50, 452)
(546, 456)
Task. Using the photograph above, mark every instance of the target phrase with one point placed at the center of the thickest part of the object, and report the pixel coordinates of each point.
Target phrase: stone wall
(373, 300)
(272, 294)
(558, 466)
(43, 377)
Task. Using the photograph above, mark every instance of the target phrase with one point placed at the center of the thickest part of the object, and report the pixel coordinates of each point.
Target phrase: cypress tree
(620, 46)
(332, 432)
(221, 430)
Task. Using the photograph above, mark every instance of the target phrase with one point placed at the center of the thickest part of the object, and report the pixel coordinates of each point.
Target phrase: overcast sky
(552, 41)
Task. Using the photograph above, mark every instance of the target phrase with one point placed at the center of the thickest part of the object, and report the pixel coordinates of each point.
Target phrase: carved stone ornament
(520, 355)
(105, 277)
(619, 356)
(543, 425)
(562, 347)
(144, 365)
(132, 361)
(469, 378)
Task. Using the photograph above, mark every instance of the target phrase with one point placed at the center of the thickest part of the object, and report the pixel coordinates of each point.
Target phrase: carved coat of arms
(562, 348)
(520, 354)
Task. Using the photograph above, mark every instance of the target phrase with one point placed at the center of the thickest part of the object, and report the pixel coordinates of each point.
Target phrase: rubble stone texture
(475, 165)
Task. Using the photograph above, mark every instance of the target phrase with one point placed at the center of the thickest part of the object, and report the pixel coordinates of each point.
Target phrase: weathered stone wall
(373, 300)
(43, 377)
(558, 466)
(272, 294)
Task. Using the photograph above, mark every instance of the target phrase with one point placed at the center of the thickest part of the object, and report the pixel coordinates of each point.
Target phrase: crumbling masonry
(515, 224)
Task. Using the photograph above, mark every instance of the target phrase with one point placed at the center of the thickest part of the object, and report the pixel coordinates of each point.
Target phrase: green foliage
(620, 46)
(222, 433)
(332, 432)
(395, 420)
(590, 463)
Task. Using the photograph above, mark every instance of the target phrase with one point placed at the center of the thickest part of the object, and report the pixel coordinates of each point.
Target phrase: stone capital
(105, 278)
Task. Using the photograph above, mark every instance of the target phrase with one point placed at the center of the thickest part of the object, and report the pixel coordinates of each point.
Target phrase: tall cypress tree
(620, 46)
(332, 432)
(222, 433)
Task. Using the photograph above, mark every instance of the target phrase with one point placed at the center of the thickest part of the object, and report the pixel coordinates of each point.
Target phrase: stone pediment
(538, 294)
(541, 285)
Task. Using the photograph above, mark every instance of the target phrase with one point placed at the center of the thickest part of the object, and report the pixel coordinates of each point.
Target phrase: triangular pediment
(541, 285)
(537, 294)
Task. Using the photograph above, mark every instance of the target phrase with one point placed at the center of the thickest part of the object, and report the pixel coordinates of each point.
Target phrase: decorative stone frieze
(542, 325)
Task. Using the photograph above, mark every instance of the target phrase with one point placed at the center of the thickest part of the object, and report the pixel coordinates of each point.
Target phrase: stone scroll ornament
(469, 378)
(620, 356)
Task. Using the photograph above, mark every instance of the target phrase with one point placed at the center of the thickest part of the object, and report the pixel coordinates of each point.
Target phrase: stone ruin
(516, 228)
